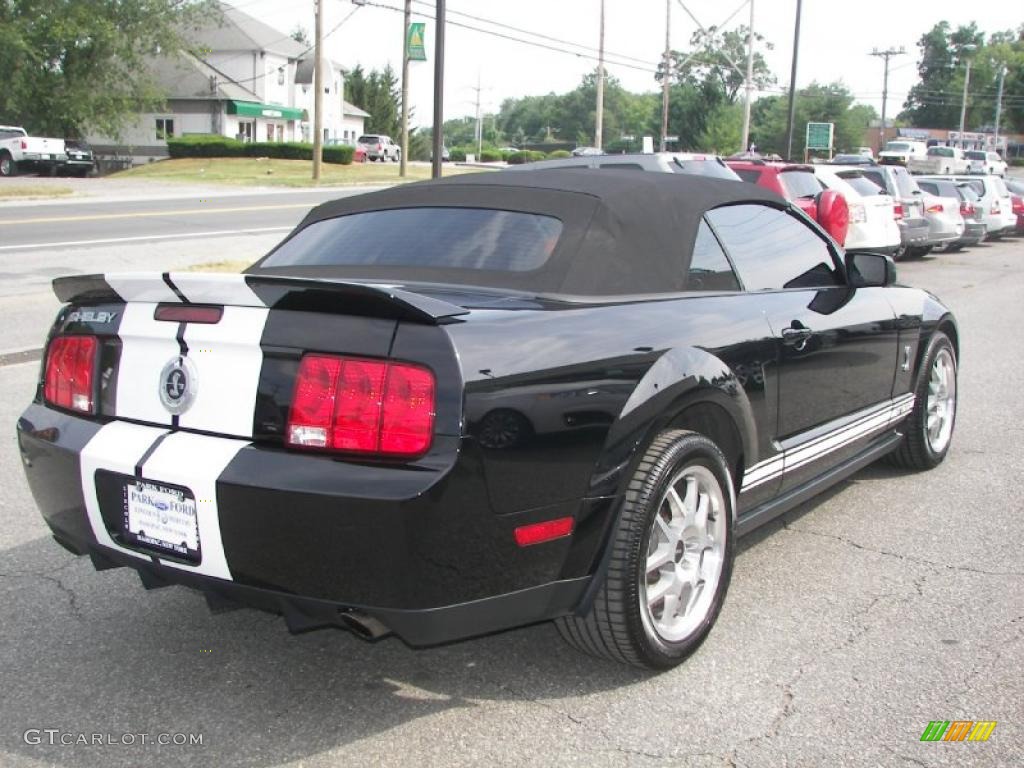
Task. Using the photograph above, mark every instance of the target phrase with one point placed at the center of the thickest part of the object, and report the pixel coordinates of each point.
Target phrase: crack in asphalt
(887, 553)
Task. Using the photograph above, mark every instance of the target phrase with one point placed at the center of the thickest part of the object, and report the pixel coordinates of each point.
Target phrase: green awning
(272, 111)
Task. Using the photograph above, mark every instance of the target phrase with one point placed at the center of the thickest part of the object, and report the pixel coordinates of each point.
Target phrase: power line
(504, 36)
(538, 34)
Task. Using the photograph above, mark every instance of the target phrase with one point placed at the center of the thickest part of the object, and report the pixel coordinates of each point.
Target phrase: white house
(242, 79)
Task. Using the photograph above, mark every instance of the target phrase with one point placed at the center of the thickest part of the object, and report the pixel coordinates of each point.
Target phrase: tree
(379, 94)
(716, 63)
(831, 103)
(76, 65)
(935, 100)
(300, 35)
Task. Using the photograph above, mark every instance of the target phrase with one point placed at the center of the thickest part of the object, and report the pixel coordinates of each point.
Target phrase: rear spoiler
(274, 292)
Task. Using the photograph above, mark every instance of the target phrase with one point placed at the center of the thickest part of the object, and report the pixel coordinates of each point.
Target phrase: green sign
(414, 42)
(819, 135)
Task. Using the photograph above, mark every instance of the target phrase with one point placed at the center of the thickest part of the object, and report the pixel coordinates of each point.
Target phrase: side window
(748, 175)
(709, 268)
(772, 249)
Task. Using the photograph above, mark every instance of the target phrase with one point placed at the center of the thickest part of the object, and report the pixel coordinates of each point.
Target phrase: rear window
(865, 187)
(876, 178)
(896, 146)
(368, 139)
(6, 133)
(974, 155)
(977, 185)
(940, 151)
(748, 175)
(799, 184)
(967, 193)
(929, 186)
(453, 238)
(707, 166)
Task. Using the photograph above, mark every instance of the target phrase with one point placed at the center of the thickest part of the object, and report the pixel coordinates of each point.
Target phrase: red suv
(799, 185)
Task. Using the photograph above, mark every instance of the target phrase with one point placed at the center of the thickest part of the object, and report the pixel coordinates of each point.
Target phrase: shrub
(1016, 162)
(206, 145)
(558, 153)
(457, 154)
(519, 158)
(490, 156)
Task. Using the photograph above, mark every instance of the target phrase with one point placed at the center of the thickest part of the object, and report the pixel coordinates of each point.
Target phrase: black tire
(614, 625)
(915, 451)
(8, 167)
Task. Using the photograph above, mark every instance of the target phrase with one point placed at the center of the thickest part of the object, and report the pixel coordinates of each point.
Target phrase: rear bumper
(914, 232)
(418, 550)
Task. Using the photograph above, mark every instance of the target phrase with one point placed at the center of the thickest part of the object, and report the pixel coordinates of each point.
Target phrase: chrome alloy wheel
(685, 555)
(941, 401)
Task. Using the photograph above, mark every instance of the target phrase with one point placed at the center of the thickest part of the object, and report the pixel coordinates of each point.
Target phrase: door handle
(796, 337)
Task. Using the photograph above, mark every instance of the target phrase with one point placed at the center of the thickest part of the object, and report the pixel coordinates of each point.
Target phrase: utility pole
(478, 134)
(966, 52)
(318, 92)
(792, 84)
(750, 81)
(405, 89)
(999, 104)
(887, 54)
(438, 138)
(665, 74)
(599, 116)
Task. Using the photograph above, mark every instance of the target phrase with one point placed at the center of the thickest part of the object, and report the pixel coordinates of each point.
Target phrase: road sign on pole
(414, 43)
(819, 136)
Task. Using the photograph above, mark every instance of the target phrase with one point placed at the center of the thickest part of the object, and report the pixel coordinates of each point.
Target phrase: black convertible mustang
(455, 407)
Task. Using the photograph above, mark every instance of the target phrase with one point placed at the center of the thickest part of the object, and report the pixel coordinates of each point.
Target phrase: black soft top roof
(624, 232)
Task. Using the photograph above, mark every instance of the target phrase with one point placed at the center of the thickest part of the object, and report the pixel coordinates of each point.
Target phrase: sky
(836, 39)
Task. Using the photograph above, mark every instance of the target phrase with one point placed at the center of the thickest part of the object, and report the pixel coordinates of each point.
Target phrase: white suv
(380, 147)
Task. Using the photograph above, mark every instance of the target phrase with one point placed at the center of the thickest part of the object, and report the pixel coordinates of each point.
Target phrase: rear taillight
(966, 209)
(1018, 204)
(24, 144)
(361, 406)
(69, 375)
(996, 210)
(934, 208)
(897, 211)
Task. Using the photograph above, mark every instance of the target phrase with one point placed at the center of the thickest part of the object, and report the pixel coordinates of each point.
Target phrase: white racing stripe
(870, 421)
(228, 359)
(116, 447)
(196, 461)
(214, 288)
(140, 286)
(146, 346)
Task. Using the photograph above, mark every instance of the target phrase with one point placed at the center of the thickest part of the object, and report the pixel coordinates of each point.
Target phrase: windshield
(864, 186)
(453, 238)
(975, 155)
(705, 166)
(799, 184)
(897, 146)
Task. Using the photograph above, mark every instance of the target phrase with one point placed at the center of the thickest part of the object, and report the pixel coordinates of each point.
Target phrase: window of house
(709, 268)
(246, 130)
(164, 128)
(280, 75)
(773, 249)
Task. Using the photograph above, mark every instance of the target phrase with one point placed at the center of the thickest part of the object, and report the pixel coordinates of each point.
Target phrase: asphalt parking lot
(853, 621)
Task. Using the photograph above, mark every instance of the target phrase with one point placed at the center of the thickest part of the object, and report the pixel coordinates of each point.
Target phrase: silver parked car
(895, 180)
(380, 147)
(972, 213)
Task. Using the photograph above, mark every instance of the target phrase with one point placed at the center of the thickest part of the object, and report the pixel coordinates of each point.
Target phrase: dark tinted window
(904, 182)
(457, 238)
(709, 268)
(877, 178)
(967, 193)
(929, 186)
(799, 184)
(748, 175)
(772, 249)
(865, 187)
(977, 185)
(974, 155)
(368, 139)
(623, 166)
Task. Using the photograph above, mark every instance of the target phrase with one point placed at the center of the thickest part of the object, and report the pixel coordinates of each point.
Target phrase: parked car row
(919, 158)
(20, 152)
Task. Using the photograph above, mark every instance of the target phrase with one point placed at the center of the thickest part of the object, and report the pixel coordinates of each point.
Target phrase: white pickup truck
(901, 152)
(19, 151)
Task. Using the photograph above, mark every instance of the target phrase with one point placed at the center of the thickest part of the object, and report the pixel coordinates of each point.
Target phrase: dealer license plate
(161, 517)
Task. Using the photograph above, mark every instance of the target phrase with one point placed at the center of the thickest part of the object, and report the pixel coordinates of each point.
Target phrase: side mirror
(870, 270)
(833, 214)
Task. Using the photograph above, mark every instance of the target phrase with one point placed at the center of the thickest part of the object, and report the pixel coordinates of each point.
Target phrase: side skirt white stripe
(873, 420)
